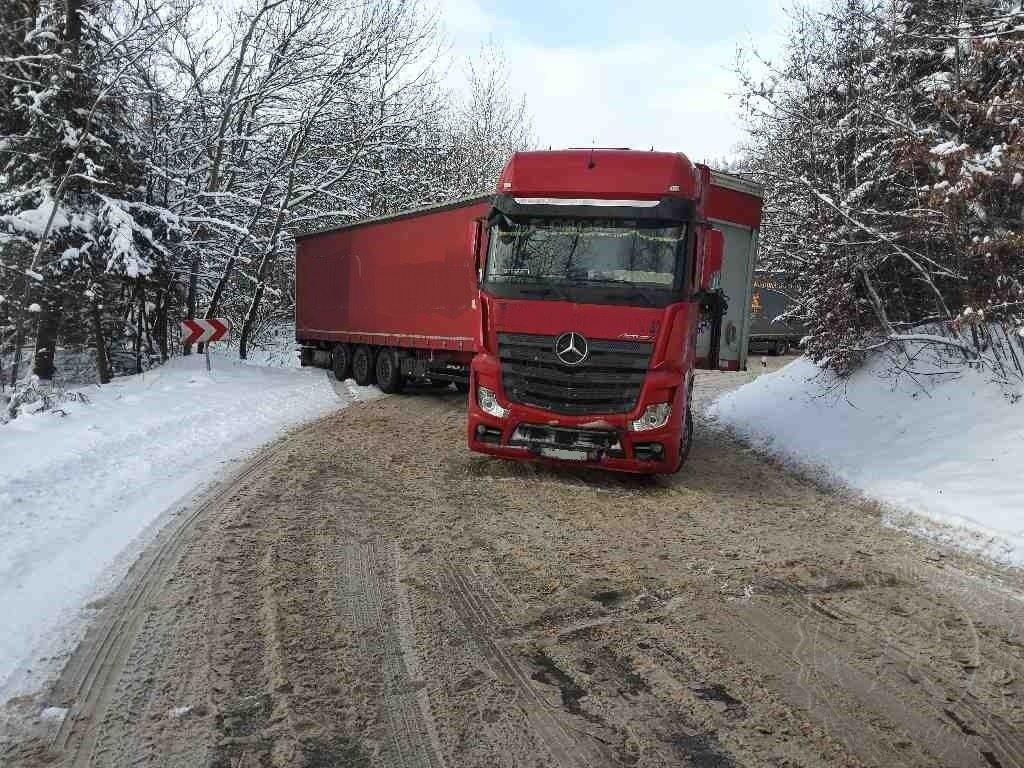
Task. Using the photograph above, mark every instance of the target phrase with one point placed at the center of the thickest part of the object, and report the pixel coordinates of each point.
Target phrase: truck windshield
(591, 252)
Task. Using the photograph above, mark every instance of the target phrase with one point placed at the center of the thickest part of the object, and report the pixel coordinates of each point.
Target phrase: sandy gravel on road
(368, 593)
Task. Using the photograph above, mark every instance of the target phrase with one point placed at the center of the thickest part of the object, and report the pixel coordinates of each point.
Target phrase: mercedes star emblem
(572, 348)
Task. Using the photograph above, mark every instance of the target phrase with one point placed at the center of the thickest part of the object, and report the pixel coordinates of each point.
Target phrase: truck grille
(609, 381)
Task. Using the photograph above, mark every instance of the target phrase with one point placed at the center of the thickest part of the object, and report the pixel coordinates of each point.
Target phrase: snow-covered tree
(968, 142)
(488, 124)
(156, 159)
(888, 141)
(73, 196)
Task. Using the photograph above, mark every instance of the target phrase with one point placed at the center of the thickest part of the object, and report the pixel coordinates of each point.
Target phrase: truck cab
(595, 271)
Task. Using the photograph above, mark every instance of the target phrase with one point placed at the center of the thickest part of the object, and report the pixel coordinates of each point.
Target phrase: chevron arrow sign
(198, 331)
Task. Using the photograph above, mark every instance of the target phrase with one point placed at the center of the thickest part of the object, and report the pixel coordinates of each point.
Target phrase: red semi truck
(573, 305)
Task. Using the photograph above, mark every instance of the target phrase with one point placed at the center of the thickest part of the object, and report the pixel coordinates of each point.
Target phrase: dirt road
(367, 593)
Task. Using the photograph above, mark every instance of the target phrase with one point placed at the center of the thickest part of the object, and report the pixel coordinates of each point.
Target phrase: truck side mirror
(714, 250)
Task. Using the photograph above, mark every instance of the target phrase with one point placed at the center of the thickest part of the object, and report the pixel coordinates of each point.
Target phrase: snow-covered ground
(80, 494)
(945, 448)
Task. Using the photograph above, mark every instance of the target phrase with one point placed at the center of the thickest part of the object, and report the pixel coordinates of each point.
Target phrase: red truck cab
(591, 276)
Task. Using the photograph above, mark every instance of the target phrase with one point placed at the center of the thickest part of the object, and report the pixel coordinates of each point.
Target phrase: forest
(156, 160)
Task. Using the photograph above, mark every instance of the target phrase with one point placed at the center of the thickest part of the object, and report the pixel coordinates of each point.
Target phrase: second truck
(573, 305)
(771, 329)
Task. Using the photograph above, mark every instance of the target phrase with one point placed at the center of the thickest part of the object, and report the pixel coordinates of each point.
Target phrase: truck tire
(389, 372)
(686, 442)
(462, 387)
(782, 348)
(341, 361)
(362, 366)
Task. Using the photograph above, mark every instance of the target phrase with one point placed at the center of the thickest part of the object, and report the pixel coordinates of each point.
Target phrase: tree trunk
(20, 323)
(160, 324)
(193, 291)
(141, 303)
(250, 318)
(147, 325)
(73, 24)
(46, 334)
(19, 342)
(102, 361)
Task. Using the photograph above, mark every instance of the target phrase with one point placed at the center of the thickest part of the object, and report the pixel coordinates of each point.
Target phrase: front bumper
(600, 441)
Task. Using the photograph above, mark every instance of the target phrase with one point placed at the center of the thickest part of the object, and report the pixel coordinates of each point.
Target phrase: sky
(616, 73)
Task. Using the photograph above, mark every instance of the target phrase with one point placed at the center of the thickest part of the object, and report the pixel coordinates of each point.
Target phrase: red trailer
(574, 304)
(392, 298)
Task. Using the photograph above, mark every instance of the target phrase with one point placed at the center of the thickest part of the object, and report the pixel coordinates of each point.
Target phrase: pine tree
(75, 192)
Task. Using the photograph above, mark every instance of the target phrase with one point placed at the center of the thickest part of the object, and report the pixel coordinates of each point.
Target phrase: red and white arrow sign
(198, 331)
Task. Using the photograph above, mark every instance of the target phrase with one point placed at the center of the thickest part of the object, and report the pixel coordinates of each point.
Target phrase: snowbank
(80, 494)
(948, 447)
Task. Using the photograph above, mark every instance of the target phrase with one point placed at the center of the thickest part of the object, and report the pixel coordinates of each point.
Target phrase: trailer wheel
(362, 366)
(389, 373)
(341, 361)
(686, 442)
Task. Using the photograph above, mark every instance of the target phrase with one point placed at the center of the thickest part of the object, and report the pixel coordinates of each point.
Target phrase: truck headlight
(653, 417)
(488, 403)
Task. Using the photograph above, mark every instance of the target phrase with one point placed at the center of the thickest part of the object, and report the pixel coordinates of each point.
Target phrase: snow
(124, 258)
(32, 221)
(937, 82)
(944, 455)
(948, 148)
(53, 714)
(34, 307)
(82, 493)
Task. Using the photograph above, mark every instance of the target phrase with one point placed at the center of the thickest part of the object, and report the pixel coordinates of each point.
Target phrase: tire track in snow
(371, 602)
(89, 679)
(484, 620)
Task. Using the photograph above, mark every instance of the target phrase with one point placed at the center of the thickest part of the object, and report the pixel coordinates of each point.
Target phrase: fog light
(488, 403)
(653, 417)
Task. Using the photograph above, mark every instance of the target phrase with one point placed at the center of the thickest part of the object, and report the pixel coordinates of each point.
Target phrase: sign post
(204, 331)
